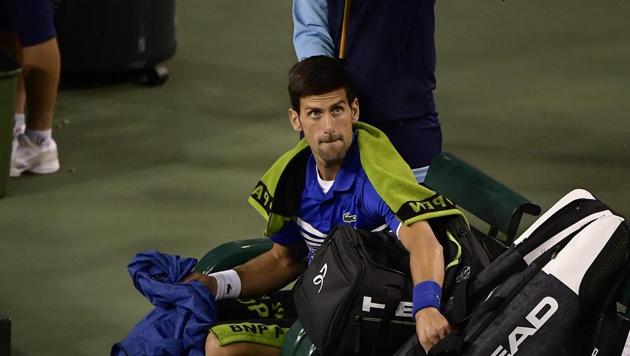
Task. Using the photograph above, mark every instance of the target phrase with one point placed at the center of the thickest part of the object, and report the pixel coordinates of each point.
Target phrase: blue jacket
(182, 314)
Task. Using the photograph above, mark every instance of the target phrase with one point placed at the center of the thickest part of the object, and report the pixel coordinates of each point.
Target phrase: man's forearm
(426, 256)
(264, 274)
(268, 272)
(427, 268)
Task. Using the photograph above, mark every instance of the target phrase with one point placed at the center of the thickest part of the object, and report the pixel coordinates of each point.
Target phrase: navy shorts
(417, 142)
(31, 20)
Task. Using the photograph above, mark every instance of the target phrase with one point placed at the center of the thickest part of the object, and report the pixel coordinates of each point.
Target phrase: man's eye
(315, 114)
(337, 110)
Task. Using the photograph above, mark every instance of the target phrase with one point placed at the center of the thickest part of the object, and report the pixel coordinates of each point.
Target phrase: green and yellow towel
(277, 195)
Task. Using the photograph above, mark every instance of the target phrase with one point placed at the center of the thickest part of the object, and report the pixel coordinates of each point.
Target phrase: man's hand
(209, 282)
(431, 327)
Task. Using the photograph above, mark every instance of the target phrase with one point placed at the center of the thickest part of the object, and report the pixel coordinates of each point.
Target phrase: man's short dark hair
(315, 76)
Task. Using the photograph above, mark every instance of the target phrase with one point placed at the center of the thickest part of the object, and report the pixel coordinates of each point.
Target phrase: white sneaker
(29, 157)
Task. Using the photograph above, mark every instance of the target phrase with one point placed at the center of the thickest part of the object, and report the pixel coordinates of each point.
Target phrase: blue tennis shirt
(351, 200)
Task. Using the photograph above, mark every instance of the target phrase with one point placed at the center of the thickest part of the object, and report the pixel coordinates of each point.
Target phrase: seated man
(334, 176)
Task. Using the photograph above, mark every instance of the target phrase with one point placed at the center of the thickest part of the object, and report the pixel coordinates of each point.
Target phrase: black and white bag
(356, 286)
(551, 291)
(355, 297)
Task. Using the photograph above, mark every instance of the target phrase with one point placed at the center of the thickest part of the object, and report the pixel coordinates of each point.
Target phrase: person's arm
(427, 265)
(266, 273)
(311, 36)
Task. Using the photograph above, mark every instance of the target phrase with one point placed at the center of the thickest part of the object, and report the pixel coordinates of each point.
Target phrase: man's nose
(329, 126)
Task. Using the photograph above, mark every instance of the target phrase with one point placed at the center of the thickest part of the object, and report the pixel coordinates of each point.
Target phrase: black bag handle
(452, 345)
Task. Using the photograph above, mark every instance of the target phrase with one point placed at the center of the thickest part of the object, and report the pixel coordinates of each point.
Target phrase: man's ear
(294, 119)
(354, 106)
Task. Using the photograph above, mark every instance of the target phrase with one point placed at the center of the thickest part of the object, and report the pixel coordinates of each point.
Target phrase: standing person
(389, 50)
(27, 30)
(332, 162)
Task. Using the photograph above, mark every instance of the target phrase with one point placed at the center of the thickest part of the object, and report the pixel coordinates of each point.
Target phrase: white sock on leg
(19, 124)
(38, 137)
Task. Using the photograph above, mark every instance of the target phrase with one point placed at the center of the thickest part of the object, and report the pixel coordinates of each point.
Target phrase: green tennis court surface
(535, 93)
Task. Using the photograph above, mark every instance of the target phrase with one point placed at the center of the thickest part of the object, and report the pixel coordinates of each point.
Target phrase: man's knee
(213, 348)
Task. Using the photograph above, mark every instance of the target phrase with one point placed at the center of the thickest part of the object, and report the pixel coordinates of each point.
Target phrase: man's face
(326, 121)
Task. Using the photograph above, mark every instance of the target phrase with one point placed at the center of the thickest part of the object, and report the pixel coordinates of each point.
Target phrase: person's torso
(390, 53)
(350, 200)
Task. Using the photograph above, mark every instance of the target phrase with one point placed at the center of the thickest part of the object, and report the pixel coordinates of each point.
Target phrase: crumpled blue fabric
(183, 311)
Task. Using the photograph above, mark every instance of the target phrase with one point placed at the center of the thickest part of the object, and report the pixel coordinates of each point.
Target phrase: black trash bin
(116, 35)
(5, 335)
(9, 69)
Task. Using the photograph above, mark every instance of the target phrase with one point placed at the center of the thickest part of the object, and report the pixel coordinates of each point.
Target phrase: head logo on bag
(318, 280)
(520, 333)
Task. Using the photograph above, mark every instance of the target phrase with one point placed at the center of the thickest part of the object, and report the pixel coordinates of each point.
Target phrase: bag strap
(393, 295)
(456, 309)
(411, 347)
(611, 298)
(452, 345)
(471, 259)
(344, 28)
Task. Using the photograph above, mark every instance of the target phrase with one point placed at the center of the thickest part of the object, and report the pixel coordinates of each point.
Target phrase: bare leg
(238, 349)
(41, 68)
(35, 151)
(20, 98)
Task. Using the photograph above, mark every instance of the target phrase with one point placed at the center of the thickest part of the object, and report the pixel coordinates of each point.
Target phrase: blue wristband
(426, 294)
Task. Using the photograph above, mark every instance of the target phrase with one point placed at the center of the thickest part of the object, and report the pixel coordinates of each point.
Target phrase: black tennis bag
(551, 293)
(355, 297)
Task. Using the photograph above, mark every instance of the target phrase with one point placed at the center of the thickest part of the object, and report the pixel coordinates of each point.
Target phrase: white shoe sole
(44, 168)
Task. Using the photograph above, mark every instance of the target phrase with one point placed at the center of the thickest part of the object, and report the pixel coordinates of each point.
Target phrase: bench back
(480, 195)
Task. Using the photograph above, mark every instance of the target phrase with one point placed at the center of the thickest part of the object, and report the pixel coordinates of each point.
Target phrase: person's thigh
(213, 348)
(32, 20)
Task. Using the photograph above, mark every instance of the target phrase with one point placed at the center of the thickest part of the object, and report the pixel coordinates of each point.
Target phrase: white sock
(38, 137)
(20, 123)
